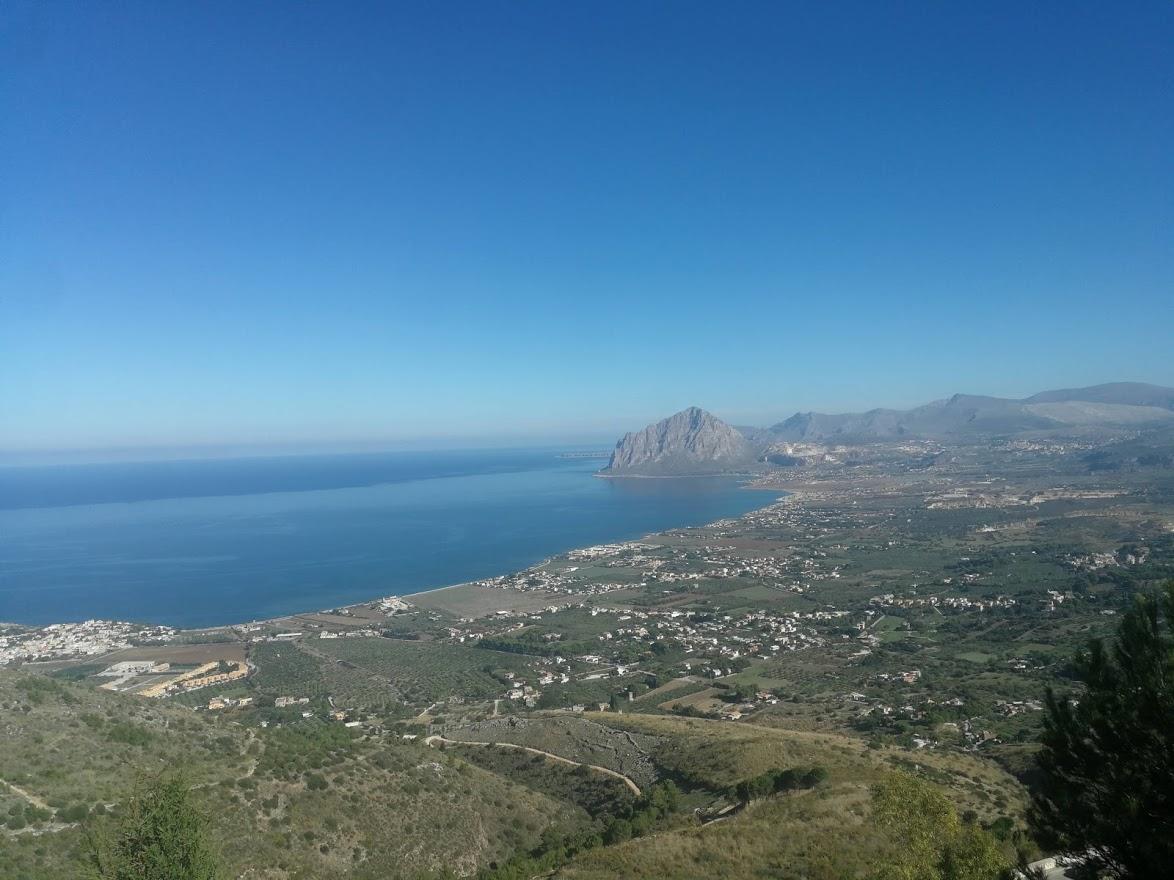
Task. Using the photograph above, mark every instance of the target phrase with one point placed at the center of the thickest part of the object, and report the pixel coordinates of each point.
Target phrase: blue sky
(317, 224)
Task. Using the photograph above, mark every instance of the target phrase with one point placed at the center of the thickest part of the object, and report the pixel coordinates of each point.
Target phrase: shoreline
(779, 494)
(747, 475)
(747, 478)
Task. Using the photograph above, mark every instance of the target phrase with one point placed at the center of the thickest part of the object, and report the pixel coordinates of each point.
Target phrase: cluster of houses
(392, 605)
(563, 581)
(719, 635)
(910, 677)
(1123, 556)
(62, 641)
(1011, 708)
(716, 640)
(202, 676)
(945, 603)
(1056, 598)
(604, 552)
(349, 634)
(647, 564)
(217, 703)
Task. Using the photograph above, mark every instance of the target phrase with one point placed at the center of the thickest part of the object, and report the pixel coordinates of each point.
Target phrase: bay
(203, 543)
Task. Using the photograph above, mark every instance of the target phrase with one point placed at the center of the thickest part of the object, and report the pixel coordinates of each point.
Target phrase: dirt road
(435, 738)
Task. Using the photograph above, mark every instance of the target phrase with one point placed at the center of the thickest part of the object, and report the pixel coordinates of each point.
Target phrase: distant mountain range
(694, 441)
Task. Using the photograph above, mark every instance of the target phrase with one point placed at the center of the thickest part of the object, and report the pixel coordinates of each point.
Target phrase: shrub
(316, 782)
(74, 813)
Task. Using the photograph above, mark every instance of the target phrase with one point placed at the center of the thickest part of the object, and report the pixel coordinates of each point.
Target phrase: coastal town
(70, 641)
(867, 614)
(867, 605)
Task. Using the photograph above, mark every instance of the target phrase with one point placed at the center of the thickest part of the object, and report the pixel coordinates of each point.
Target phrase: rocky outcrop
(690, 442)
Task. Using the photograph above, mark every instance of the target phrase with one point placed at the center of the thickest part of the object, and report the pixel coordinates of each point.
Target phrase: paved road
(559, 758)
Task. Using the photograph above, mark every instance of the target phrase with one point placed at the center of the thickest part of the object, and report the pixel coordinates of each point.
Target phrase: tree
(931, 842)
(1106, 786)
(159, 834)
(814, 777)
(618, 830)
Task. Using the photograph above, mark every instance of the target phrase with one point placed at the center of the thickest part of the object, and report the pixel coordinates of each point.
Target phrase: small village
(64, 641)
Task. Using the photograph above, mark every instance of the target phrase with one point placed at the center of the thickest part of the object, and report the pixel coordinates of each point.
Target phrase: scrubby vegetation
(307, 798)
(651, 811)
(777, 782)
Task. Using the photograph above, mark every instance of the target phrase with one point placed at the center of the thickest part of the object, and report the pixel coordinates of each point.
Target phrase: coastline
(777, 496)
(747, 475)
(365, 603)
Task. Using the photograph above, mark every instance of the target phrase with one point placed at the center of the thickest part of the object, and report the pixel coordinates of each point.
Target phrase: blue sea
(209, 542)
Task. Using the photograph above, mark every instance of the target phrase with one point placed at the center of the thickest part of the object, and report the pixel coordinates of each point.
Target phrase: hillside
(822, 832)
(300, 798)
(303, 799)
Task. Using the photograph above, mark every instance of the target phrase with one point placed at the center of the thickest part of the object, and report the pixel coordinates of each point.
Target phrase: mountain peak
(692, 441)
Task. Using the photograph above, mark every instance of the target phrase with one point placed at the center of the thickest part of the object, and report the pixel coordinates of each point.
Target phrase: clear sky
(329, 223)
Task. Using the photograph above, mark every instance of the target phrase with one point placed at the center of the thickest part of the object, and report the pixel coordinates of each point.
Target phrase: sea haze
(202, 543)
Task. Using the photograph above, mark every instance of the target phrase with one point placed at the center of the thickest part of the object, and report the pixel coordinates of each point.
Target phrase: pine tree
(1107, 763)
(159, 835)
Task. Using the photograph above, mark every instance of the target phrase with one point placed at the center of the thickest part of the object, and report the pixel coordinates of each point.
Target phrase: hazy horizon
(595, 439)
(308, 226)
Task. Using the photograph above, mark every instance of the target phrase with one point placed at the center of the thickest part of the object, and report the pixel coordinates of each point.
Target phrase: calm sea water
(201, 543)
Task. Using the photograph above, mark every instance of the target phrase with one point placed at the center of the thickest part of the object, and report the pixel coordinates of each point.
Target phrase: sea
(210, 542)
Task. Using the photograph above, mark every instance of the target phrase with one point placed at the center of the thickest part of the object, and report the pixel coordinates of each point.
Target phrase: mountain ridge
(694, 441)
(970, 415)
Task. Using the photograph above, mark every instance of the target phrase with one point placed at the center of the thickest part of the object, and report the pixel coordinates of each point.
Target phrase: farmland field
(423, 671)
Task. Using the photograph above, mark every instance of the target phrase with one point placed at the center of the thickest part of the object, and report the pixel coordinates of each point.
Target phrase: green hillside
(302, 800)
(309, 798)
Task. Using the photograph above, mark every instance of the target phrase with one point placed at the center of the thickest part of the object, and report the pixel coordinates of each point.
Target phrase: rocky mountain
(696, 442)
(690, 442)
(964, 415)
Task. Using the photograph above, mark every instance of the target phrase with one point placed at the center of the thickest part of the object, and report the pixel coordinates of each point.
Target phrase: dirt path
(559, 758)
(28, 796)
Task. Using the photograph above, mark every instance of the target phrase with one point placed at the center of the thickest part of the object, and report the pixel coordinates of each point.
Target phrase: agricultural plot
(419, 671)
(182, 654)
(677, 687)
(284, 669)
(704, 700)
